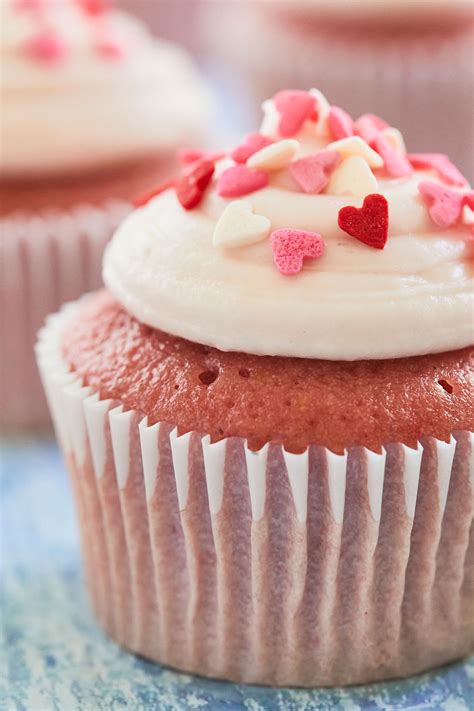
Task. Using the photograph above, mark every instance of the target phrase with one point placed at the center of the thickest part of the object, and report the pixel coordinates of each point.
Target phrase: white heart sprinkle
(239, 226)
(353, 176)
(356, 146)
(275, 156)
(467, 215)
(395, 138)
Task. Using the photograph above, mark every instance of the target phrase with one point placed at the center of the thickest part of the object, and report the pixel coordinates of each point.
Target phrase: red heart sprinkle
(294, 107)
(312, 172)
(240, 180)
(441, 164)
(369, 223)
(291, 246)
(146, 197)
(368, 126)
(252, 143)
(340, 124)
(444, 205)
(46, 47)
(396, 164)
(469, 199)
(190, 188)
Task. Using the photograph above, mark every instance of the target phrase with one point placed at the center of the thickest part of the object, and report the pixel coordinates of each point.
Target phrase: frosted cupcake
(409, 61)
(267, 415)
(93, 108)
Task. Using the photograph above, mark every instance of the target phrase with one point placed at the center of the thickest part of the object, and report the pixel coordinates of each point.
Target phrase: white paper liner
(267, 567)
(418, 82)
(46, 259)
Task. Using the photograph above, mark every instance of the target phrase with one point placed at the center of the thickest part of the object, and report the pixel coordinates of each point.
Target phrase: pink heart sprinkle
(444, 205)
(312, 172)
(340, 124)
(252, 143)
(110, 47)
(188, 156)
(291, 246)
(397, 165)
(368, 126)
(443, 166)
(294, 107)
(46, 47)
(240, 180)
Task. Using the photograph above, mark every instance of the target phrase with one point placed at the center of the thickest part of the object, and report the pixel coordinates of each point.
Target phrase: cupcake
(267, 414)
(409, 61)
(93, 108)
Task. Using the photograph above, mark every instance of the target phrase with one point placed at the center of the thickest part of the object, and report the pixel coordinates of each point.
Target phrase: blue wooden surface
(54, 657)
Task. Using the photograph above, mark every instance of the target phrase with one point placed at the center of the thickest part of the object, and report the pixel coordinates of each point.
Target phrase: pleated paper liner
(46, 258)
(418, 82)
(267, 567)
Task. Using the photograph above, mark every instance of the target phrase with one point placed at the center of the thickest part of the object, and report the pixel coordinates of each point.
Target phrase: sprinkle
(190, 188)
(352, 177)
(396, 164)
(240, 180)
(356, 146)
(395, 138)
(294, 107)
(368, 126)
(340, 124)
(444, 205)
(109, 47)
(291, 246)
(95, 7)
(322, 105)
(275, 156)
(312, 172)
(441, 164)
(187, 156)
(369, 223)
(146, 197)
(252, 143)
(46, 47)
(239, 226)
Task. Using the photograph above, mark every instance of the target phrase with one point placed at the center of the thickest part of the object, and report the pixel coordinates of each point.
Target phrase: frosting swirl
(413, 297)
(83, 90)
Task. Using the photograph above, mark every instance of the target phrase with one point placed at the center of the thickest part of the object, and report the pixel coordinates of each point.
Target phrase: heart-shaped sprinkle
(395, 138)
(275, 156)
(190, 188)
(252, 143)
(294, 107)
(468, 199)
(240, 180)
(356, 146)
(369, 223)
(396, 164)
(146, 197)
(368, 126)
(239, 226)
(46, 47)
(352, 177)
(312, 172)
(188, 156)
(444, 205)
(441, 164)
(340, 124)
(95, 7)
(109, 46)
(291, 246)
(322, 105)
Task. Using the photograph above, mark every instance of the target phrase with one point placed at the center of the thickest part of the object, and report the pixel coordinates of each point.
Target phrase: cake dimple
(292, 401)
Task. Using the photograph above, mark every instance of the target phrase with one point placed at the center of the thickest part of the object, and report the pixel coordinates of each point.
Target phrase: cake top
(72, 70)
(319, 236)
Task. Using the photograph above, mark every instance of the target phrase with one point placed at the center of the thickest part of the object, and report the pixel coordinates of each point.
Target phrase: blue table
(56, 658)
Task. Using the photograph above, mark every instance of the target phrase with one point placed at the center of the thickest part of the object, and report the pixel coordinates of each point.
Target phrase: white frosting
(87, 110)
(413, 297)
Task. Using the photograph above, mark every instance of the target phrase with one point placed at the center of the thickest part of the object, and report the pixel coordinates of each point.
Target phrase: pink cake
(93, 108)
(267, 414)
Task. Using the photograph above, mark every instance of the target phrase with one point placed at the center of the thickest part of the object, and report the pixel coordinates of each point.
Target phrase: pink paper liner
(46, 258)
(267, 567)
(418, 82)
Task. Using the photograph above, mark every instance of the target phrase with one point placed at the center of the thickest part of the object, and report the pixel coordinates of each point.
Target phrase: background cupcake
(410, 61)
(268, 415)
(93, 108)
